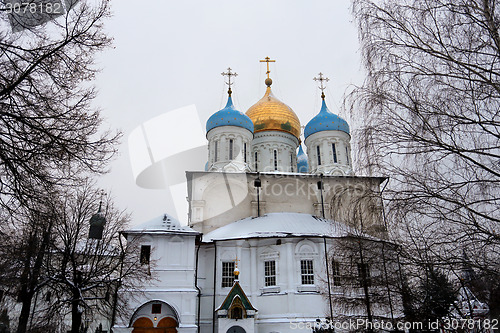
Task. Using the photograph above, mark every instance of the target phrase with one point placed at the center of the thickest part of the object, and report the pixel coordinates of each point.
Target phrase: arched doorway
(145, 325)
(168, 325)
(236, 329)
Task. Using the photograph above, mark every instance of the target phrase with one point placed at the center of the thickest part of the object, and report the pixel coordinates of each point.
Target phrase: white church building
(263, 222)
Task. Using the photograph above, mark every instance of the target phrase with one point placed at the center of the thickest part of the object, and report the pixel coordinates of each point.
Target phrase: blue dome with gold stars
(325, 121)
(302, 163)
(229, 116)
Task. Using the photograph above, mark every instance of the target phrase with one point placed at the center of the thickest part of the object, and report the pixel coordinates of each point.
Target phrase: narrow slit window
(334, 151)
(347, 155)
(336, 273)
(256, 161)
(275, 159)
(145, 254)
(231, 143)
(364, 275)
(215, 151)
(319, 155)
(245, 152)
(291, 162)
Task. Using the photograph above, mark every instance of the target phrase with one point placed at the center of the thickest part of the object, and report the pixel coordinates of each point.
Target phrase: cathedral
(258, 253)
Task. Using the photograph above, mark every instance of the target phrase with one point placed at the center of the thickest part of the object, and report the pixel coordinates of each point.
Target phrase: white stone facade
(336, 162)
(229, 149)
(274, 151)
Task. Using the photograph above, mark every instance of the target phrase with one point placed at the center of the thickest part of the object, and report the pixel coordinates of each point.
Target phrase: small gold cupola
(271, 114)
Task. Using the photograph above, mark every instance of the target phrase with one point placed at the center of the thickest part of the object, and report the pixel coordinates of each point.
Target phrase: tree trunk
(76, 315)
(25, 311)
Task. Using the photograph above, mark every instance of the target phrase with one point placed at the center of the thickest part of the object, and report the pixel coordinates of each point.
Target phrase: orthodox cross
(267, 60)
(102, 193)
(229, 74)
(321, 85)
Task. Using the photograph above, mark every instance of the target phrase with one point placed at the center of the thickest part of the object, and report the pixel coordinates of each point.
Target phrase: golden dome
(271, 114)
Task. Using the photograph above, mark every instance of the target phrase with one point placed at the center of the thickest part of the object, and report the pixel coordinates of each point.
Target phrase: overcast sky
(169, 54)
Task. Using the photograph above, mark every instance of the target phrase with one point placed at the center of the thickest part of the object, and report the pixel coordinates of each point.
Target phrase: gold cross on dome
(236, 261)
(267, 60)
(229, 74)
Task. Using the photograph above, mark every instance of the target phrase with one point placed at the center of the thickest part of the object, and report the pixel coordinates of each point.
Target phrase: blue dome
(229, 116)
(325, 121)
(302, 164)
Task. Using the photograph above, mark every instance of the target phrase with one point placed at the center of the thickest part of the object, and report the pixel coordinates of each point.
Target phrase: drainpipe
(196, 286)
(320, 188)
(215, 285)
(328, 279)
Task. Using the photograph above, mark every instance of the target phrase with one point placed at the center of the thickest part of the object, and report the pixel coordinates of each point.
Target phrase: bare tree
(363, 267)
(85, 274)
(49, 131)
(430, 107)
(57, 272)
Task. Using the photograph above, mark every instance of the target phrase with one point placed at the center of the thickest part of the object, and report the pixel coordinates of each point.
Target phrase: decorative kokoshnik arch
(155, 317)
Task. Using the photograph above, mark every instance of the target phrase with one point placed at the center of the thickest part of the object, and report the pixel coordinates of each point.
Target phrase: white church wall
(219, 155)
(172, 266)
(218, 199)
(325, 139)
(285, 145)
(276, 310)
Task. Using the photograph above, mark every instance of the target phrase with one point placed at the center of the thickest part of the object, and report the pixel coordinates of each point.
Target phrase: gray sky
(169, 54)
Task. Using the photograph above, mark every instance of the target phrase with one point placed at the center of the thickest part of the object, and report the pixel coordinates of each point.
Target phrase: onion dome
(229, 116)
(271, 114)
(302, 164)
(325, 121)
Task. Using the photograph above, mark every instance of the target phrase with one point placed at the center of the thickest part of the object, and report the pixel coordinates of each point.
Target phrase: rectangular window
(307, 271)
(227, 274)
(347, 155)
(336, 273)
(231, 149)
(215, 152)
(334, 150)
(270, 273)
(145, 254)
(364, 275)
(156, 308)
(275, 159)
(256, 161)
(245, 152)
(319, 155)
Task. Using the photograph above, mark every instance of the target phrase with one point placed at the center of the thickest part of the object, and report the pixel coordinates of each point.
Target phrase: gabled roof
(162, 224)
(281, 225)
(236, 291)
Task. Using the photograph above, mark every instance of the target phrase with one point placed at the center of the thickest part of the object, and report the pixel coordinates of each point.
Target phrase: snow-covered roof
(280, 225)
(162, 224)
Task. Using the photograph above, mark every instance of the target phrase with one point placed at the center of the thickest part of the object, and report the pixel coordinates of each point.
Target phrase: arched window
(245, 152)
(319, 155)
(231, 143)
(215, 151)
(237, 313)
(334, 150)
(275, 160)
(236, 310)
